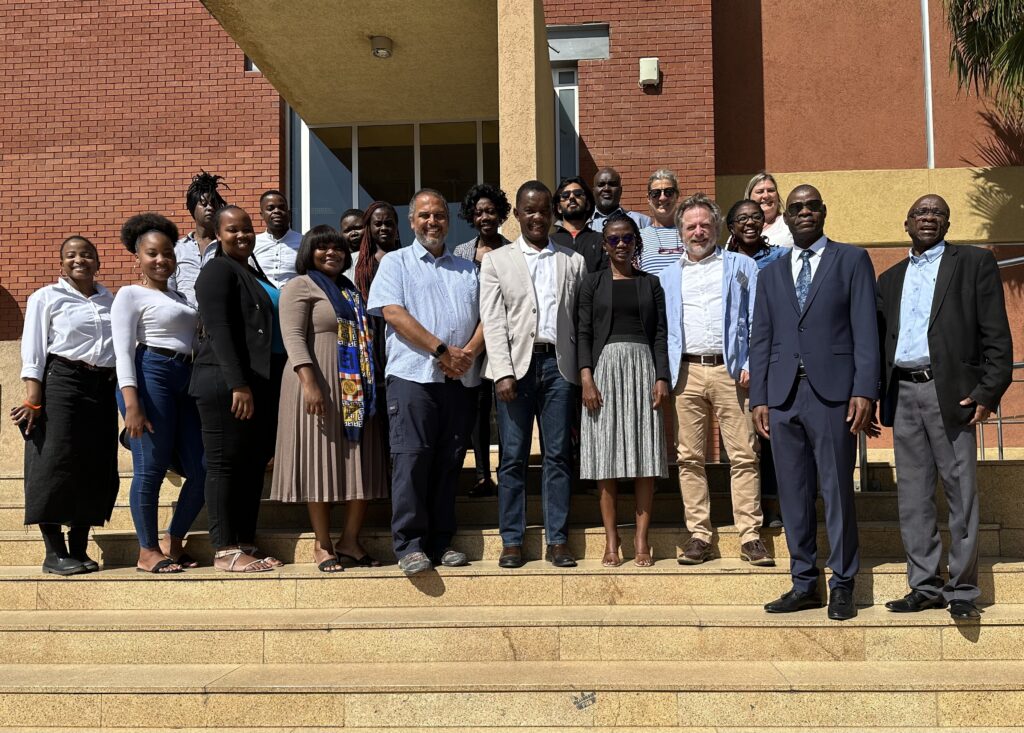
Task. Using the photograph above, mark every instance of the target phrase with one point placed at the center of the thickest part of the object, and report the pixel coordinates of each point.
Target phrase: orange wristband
(30, 406)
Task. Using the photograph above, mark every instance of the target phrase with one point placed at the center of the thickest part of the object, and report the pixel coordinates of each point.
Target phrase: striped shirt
(661, 247)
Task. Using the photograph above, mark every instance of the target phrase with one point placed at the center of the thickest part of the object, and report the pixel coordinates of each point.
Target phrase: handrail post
(999, 430)
(862, 456)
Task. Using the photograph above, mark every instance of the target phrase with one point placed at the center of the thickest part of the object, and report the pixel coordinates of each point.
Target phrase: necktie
(803, 280)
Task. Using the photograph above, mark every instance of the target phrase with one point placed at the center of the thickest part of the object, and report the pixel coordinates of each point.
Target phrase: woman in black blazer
(622, 348)
(236, 380)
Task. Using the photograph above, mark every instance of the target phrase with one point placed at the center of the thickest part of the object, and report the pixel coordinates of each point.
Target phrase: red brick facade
(109, 109)
(639, 131)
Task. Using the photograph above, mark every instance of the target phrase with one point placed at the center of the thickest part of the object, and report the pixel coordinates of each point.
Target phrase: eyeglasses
(744, 218)
(921, 213)
(656, 193)
(815, 206)
(626, 239)
(331, 247)
(576, 193)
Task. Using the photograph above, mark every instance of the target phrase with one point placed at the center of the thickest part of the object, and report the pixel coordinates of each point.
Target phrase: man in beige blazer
(528, 310)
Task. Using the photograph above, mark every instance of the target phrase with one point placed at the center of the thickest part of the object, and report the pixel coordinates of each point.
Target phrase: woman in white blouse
(763, 189)
(154, 328)
(68, 416)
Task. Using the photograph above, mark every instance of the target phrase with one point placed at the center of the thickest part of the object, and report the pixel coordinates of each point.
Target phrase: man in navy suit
(814, 370)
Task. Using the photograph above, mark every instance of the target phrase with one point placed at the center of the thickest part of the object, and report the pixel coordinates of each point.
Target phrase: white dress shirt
(701, 289)
(60, 320)
(544, 273)
(277, 256)
(190, 262)
(153, 317)
(816, 249)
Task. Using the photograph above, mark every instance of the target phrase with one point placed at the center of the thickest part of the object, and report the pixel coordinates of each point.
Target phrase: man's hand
(455, 361)
(981, 413)
(760, 418)
(859, 414)
(744, 380)
(505, 389)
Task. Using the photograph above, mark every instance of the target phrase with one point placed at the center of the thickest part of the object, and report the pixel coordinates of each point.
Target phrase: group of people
(364, 368)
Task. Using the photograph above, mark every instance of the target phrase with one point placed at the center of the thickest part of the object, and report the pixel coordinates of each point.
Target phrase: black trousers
(482, 403)
(428, 426)
(237, 451)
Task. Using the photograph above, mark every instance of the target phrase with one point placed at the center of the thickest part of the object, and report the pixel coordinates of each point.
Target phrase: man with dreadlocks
(197, 247)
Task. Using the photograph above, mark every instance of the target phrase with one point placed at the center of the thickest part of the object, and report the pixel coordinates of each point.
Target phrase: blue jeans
(176, 441)
(545, 394)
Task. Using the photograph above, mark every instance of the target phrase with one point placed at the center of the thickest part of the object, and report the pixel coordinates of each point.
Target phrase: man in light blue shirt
(430, 301)
(607, 194)
(916, 307)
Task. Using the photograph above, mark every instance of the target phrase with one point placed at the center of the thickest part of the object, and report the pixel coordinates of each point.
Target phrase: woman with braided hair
(195, 249)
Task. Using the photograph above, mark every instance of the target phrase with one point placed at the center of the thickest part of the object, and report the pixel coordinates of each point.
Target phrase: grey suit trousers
(925, 450)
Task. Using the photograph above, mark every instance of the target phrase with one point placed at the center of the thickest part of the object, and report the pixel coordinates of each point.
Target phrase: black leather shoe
(840, 605)
(560, 556)
(511, 557)
(62, 565)
(963, 611)
(915, 601)
(794, 600)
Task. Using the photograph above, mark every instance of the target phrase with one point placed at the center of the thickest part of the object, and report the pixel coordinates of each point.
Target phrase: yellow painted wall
(869, 207)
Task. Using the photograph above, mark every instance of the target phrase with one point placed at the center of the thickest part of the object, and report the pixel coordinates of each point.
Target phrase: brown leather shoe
(511, 557)
(695, 552)
(756, 553)
(560, 557)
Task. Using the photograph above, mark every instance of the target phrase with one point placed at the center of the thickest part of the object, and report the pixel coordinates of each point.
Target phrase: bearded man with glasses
(573, 203)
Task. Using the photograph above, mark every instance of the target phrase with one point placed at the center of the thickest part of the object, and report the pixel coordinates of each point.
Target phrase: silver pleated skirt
(624, 438)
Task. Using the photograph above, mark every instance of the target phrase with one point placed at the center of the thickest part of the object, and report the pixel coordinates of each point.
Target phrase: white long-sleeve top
(60, 320)
(140, 315)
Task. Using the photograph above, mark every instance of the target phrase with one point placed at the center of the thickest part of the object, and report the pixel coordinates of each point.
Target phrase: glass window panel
(492, 169)
(295, 192)
(448, 164)
(387, 170)
(566, 77)
(330, 174)
(567, 139)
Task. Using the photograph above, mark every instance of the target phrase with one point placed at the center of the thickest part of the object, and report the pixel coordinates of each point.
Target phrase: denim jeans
(176, 441)
(545, 394)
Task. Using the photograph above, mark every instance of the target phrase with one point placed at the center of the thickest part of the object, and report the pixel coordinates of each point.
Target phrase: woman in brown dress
(329, 446)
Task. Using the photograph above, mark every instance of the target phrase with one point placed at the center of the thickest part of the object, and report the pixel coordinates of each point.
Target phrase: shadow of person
(429, 583)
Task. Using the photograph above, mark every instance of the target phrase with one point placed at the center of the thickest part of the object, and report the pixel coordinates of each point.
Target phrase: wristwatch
(440, 351)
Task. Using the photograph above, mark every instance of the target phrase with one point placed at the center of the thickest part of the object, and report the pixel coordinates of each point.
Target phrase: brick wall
(109, 108)
(639, 131)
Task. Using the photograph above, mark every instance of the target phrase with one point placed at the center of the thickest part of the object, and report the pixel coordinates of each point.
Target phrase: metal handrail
(999, 420)
(1010, 262)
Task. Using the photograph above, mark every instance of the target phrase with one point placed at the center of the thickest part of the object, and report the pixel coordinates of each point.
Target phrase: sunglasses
(576, 193)
(815, 206)
(626, 239)
(657, 193)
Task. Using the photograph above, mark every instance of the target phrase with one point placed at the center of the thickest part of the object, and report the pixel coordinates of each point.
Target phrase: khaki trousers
(701, 391)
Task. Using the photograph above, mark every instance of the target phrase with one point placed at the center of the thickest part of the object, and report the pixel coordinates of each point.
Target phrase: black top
(626, 322)
(238, 321)
(588, 243)
(594, 318)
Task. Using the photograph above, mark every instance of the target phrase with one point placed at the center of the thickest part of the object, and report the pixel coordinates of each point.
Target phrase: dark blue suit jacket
(836, 335)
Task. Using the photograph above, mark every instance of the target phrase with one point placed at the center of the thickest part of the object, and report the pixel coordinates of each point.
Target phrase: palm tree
(987, 46)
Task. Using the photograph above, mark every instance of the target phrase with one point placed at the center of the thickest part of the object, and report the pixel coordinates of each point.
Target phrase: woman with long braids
(236, 381)
(154, 332)
(380, 236)
(69, 416)
(195, 249)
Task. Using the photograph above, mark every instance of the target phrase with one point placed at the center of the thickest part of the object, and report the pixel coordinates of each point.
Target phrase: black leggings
(237, 453)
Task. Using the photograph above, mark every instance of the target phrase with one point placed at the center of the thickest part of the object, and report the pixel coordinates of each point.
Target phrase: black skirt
(71, 453)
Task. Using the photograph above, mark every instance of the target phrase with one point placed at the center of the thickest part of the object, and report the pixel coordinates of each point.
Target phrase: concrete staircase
(465, 649)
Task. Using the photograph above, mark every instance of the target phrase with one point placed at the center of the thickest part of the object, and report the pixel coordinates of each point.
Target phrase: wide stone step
(118, 548)
(521, 634)
(718, 582)
(479, 695)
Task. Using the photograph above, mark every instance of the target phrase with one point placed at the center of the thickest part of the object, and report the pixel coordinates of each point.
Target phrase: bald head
(805, 215)
(607, 189)
(927, 222)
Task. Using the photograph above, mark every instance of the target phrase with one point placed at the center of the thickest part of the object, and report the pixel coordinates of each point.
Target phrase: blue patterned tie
(803, 280)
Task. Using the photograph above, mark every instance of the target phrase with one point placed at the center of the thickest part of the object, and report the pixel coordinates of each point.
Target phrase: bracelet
(30, 406)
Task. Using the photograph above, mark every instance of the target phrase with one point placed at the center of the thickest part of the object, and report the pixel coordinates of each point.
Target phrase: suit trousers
(925, 450)
(811, 442)
(701, 391)
(429, 426)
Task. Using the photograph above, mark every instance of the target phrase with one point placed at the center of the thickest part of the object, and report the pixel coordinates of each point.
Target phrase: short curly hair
(140, 224)
(485, 191)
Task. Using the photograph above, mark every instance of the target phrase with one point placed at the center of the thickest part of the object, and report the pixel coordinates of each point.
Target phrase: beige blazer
(508, 311)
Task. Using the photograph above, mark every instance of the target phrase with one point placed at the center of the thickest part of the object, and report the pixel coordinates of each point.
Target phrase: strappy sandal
(163, 568)
(256, 566)
(611, 560)
(331, 565)
(643, 559)
(255, 552)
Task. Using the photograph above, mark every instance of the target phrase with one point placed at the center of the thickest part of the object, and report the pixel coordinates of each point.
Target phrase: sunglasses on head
(614, 239)
(576, 193)
(657, 193)
(815, 206)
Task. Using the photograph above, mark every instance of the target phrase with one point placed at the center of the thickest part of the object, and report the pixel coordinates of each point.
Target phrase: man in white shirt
(276, 247)
(528, 307)
(709, 301)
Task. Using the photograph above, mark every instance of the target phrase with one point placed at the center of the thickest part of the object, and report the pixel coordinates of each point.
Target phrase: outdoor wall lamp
(381, 46)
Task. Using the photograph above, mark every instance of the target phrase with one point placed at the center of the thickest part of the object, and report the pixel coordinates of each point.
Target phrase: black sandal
(187, 561)
(161, 568)
(366, 561)
(329, 565)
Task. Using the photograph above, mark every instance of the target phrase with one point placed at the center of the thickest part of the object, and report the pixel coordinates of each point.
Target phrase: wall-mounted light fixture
(381, 46)
(650, 74)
